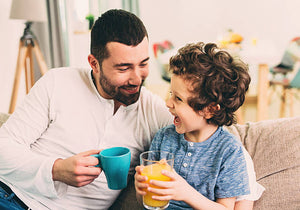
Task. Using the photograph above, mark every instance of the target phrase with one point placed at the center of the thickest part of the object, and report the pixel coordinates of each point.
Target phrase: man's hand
(77, 170)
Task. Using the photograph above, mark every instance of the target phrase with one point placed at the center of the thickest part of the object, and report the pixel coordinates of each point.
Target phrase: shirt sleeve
(20, 166)
(233, 177)
(256, 189)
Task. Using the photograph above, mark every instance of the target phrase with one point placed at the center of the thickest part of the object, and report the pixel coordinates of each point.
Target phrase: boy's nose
(169, 103)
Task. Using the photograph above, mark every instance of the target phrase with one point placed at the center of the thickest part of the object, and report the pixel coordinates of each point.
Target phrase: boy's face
(122, 74)
(186, 119)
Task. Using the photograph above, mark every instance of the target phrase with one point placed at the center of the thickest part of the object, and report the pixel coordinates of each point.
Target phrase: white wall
(79, 36)
(272, 22)
(192, 20)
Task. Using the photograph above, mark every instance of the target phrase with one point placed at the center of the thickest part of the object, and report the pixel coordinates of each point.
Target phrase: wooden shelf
(82, 32)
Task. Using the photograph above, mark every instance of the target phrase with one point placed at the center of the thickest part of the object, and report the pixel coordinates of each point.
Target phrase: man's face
(124, 71)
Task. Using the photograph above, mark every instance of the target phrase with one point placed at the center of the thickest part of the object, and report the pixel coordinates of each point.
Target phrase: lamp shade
(29, 10)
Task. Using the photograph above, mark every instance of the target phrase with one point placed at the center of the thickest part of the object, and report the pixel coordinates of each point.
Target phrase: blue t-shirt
(215, 167)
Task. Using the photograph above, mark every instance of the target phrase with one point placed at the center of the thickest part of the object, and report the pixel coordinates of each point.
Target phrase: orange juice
(154, 172)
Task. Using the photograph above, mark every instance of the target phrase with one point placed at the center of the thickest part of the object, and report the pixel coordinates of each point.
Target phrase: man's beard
(115, 93)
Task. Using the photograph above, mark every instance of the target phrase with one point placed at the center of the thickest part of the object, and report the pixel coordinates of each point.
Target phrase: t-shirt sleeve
(233, 177)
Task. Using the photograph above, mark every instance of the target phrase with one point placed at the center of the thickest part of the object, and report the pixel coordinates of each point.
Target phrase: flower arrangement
(230, 40)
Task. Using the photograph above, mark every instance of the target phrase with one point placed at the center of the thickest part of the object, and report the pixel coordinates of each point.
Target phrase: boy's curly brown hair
(216, 77)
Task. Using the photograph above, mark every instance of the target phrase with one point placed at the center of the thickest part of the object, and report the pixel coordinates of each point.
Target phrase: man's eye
(123, 69)
(143, 64)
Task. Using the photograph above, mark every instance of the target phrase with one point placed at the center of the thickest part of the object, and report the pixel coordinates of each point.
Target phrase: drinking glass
(154, 162)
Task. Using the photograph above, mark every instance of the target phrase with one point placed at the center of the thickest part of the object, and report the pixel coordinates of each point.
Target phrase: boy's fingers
(139, 169)
(170, 174)
(160, 192)
(162, 198)
(162, 184)
(141, 192)
(141, 178)
(142, 185)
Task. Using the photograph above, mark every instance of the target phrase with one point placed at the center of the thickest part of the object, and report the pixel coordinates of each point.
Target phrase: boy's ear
(210, 110)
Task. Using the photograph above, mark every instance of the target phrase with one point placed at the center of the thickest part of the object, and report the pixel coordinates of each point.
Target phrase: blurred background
(257, 31)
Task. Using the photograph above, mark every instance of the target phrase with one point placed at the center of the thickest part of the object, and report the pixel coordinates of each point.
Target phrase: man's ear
(93, 63)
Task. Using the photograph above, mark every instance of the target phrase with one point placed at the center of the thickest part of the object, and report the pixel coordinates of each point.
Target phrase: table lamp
(30, 11)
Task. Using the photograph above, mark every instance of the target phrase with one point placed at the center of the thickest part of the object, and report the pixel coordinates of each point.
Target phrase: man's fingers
(82, 159)
(80, 184)
(89, 161)
(90, 152)
(88, 171)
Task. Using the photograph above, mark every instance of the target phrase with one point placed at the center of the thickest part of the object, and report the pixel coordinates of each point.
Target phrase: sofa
(274, 146)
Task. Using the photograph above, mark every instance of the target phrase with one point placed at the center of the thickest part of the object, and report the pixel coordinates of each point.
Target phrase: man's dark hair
(116, 25)
(216, 77)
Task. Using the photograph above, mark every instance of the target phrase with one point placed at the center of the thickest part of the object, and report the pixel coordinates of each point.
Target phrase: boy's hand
(176, 189)
(139, 181)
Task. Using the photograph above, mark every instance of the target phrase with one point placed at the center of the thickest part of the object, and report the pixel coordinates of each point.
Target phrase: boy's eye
(177, 98)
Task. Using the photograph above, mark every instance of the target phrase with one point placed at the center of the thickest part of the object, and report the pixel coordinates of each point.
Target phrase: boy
(207, 87)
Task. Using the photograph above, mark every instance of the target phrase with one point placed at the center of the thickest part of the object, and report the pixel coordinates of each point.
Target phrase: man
(70, 114)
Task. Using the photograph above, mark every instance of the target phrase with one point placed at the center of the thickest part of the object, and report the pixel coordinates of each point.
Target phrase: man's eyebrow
(122, 64)
(130, 64)
(146, 59)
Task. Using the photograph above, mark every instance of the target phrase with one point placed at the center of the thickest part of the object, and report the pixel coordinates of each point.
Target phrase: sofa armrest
(3, 118)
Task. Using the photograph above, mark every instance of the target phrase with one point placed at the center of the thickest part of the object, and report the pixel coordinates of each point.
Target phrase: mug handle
(99, 162)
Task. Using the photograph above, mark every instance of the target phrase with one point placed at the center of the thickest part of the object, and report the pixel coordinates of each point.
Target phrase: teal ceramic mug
(115, 163)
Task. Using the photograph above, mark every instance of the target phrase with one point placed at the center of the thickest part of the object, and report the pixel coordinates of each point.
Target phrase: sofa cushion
(274, 146)
(282, 190)
(127, 199)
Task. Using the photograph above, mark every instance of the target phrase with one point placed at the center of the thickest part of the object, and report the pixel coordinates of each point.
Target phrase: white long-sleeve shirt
(64, 115)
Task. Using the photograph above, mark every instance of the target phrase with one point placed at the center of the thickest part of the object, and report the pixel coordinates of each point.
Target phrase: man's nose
(136, 76)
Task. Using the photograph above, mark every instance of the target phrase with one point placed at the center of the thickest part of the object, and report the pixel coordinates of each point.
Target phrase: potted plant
(90, 18)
